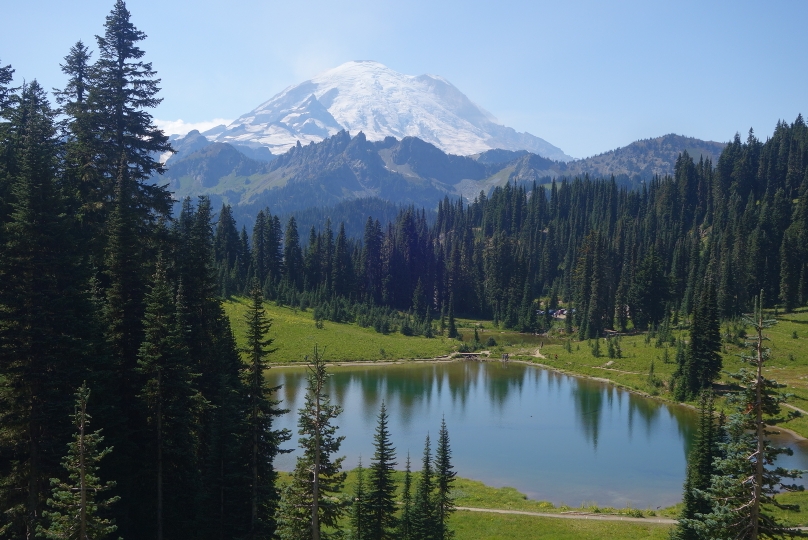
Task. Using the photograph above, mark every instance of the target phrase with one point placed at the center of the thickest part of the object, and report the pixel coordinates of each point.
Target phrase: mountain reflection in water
(552, 436)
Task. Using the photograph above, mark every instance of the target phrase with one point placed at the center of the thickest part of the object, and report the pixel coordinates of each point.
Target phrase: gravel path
(573, 515)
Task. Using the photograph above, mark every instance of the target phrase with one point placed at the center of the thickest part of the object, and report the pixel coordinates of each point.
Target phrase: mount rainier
(369, 97)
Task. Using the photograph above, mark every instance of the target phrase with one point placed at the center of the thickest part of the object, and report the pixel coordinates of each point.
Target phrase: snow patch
(367, 96)
(181, 127)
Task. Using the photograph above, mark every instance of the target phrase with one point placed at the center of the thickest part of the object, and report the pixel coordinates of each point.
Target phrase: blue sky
(586, 76)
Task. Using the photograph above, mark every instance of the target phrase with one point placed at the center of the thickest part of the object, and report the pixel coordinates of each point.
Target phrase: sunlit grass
(295, 336)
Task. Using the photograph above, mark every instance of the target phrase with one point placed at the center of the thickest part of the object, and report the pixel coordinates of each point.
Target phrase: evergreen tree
(424, 511)
(263, 409)
(381, 504)
(700, 470)
(122, 89)
(308, 504)
(745, 483)
(79, 156)
(225, 507)
(405, 531)
(700, 364)
(452, 329)
(444, 477)
(45, 315)
(292, 255)
(359, 512)
(341, 267)
(6, 76)
(79, 504)
(649, 292)
(174, 405)
(123, 146)
(705, 338)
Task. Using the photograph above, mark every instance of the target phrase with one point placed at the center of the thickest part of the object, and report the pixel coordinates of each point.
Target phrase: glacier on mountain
(367, 96)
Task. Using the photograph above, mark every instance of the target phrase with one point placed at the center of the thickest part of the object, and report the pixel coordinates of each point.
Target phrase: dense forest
(622, 259)
(111, 308)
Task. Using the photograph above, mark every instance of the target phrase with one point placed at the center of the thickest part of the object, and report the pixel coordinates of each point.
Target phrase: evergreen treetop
(79, 504)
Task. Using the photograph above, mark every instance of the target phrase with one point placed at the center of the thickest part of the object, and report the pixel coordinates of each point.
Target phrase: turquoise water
(552, 436)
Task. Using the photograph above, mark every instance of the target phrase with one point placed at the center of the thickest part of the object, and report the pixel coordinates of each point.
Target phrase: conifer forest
(128, 410)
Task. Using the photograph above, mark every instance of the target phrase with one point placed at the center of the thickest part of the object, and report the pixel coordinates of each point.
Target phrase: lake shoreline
(451, 359)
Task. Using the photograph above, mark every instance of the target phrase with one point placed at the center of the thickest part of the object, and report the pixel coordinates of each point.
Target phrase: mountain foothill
(407, 171)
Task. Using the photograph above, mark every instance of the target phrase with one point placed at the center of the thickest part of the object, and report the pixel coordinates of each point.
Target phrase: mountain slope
(646, 158)
(407, 171)
(370, 98)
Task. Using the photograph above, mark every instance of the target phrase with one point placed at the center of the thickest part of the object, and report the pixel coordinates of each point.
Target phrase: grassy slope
(296, 335)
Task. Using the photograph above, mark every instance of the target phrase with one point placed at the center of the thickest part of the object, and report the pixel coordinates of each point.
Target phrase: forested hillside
(102, 290)
(623, 258)
(408, 171)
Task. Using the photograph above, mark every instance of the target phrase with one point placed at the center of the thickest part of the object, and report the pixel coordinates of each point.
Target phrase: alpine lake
(553, 437)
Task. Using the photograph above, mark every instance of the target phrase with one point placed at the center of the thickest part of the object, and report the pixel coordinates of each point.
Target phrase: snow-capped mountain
(371, 98)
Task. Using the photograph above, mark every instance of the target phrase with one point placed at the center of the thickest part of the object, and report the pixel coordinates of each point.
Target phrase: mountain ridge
(406, 171)
(368, 97)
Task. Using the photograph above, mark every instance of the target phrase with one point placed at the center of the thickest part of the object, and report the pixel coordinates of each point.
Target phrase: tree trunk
(315, 503)
(758, 427)
(254, 392)
(33, 470)
(82, 473)
(159, 455)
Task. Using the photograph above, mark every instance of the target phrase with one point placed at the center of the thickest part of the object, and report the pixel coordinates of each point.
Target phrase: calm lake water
(553, 437)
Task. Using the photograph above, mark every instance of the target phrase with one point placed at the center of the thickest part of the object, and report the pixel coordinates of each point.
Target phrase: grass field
(296, 335)
(477, 525)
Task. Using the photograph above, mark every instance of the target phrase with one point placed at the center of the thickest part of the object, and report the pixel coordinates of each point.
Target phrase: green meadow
(645, 365)
(296, 335)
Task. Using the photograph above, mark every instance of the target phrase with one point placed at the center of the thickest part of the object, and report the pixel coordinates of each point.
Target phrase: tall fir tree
(405, 531)
(174, 406)
(444, 480)
(264, 441)
(308, 506)
(381, 505)
(700, 364)
(122, 89)
(424, 511)
(78, 504)
(700, 470)
(359, 512)
(44, 313)
(745, 485)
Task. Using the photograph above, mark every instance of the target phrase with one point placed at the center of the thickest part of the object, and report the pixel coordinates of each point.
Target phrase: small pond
(554, 437)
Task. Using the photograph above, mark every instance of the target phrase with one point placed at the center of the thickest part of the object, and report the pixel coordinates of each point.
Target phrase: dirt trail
(573, 515)
(583, 515)
(801, 411)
